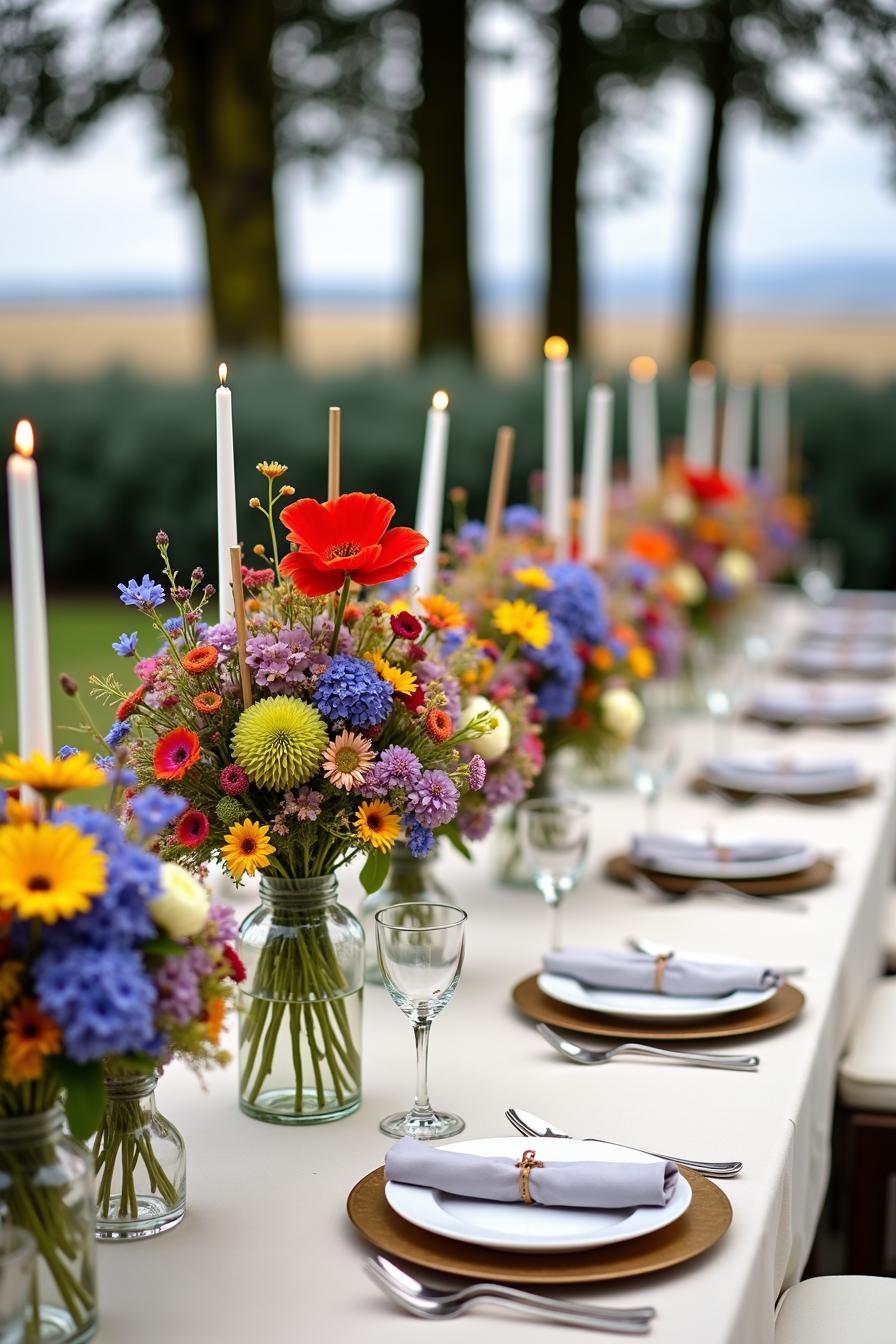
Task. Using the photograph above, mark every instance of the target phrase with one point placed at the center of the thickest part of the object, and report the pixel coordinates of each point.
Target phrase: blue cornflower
(521, 518)
(154, 809)
(104, 762)
(173, 625)
(64, 752)
(117, 733)
(576, 601)
(102, 997)
(125, 645)
(473, 532)
(351, 692)
(146, 594)
(419, 839)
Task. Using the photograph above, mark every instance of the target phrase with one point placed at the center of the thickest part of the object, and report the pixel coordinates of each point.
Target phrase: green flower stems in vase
(140, 1189)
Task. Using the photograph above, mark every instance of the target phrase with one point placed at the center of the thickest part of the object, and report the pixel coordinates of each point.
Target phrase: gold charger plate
(701, 785)
(782, 1007)
(705, 1221)
(620, 868)
(807, 721)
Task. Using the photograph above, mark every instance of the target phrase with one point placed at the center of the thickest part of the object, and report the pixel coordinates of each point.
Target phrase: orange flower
(652, 546)
(346, 538)
(579, 719)
(602, 658)
(438, 725)
(30, 1037)
(625, 634)
(441, 613)
(214, 1021)
(201, 659)
(710, 530)
(128, 706)
(175, 753)
(207, 702)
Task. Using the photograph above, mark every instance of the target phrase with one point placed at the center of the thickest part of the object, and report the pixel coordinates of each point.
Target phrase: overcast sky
(114, 211)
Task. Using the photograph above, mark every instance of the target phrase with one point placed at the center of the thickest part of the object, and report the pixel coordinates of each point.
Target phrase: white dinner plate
(534, 1227)
(643, 1004)
(767, 775)
(800, 858)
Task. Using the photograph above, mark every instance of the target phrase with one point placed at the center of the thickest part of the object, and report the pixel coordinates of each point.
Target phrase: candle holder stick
(239, 612)
(333, 461)
(497, 491)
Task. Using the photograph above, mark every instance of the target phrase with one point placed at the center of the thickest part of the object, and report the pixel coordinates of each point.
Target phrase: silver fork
(642, 883)
(582, 1054)
(437, 1303)
(533, 1127)
(652, 949)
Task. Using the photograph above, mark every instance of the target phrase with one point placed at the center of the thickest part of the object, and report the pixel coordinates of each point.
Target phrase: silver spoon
(532, 1127)
(582, 1054)
(438, 1303)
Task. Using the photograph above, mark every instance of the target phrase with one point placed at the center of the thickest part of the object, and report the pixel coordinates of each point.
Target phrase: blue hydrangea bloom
(557, 694)
(521, 518)
(351, 692)
(154, 809)
(418, 838)
(101, 997)
(118, 732)
(576, 601)
(64, 752)
(125, 645)
(473, 532)
(146, 593)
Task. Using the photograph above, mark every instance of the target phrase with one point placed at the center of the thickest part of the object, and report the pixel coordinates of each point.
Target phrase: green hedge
(121, 455)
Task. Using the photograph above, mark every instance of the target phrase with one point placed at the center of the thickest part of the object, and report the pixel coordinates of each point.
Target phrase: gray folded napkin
(770, 772)
(829, 703)
(837, 657)
(652, 849)
(575, 1185)
(637, 971)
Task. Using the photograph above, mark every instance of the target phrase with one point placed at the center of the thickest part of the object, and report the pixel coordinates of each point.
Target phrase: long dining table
(266, 1251)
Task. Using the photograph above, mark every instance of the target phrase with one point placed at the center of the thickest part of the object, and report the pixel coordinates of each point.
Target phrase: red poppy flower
(348, 537)
(191, 829)
(175, 753)
(709, 484)
(126, 708)
(414, 702)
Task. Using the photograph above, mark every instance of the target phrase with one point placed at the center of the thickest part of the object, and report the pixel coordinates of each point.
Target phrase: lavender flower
(280, 663)
(477, 773)
(433, 799)
(474, 820)
(397, 768)
(504, 786)
(177, 985)
(223, 638)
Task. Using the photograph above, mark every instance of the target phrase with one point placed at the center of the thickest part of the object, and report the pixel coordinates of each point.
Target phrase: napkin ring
(526, 1164)
(660, 971)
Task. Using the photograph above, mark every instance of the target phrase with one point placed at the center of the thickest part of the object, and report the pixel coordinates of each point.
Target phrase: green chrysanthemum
(279, 742)
(229, 811)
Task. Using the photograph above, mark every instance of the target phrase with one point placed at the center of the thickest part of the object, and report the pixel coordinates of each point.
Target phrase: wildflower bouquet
(334, 730)
(111, 963)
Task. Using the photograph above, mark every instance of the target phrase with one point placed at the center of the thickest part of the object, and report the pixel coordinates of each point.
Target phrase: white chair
(848, 1307)
(867, 1085)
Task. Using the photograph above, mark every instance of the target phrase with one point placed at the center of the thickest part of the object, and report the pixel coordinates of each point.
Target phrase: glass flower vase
(409, 880)
(300, 1004)
(46, 1187)
(141, 1163)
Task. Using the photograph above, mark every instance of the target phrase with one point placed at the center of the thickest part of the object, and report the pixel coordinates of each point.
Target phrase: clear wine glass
(820, 571)
(554, 839)
(653, 756)
(420, 949)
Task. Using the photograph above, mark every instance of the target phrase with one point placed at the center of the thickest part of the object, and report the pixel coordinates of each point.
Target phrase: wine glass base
(437, 1125)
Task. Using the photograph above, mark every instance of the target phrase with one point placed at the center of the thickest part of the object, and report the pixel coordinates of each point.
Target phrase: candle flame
(643, 369)
(440, 400)
(555, 348)
(222, 374)
(23, 439)
(702, 371)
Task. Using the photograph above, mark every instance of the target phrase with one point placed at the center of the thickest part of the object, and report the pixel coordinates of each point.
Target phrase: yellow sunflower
(441, 613)
(52, 776)
(49, 872)
(524, 619)
(403, 683)
(641, 661)
(377, 824)
(247, 848)
(533, 576)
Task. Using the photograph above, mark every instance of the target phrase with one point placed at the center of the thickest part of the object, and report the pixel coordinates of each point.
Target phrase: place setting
(818, 706)
(851, 657)
(797, 777)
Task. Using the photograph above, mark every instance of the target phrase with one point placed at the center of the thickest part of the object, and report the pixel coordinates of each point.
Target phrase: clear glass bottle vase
(409, 880)
(141, 1163)
(300, 1004)
(46, 1187)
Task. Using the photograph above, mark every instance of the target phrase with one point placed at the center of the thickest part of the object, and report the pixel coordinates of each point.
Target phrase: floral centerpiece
(326, 732)
(99, 979)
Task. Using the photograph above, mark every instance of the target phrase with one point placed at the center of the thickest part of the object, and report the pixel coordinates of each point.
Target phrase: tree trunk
(440, 123)
(563, 313)
(220, 110)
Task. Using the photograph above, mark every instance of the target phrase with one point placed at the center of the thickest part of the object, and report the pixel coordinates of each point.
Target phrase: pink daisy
(347, 759)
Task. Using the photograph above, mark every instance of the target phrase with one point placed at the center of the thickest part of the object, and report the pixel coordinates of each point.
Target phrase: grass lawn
(81, 633)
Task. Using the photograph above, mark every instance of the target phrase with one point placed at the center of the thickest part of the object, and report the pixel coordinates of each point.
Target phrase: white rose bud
(182, 908)
(496, 738)
(737, 568)
(687, 583)
(622, 712)
(678, 508)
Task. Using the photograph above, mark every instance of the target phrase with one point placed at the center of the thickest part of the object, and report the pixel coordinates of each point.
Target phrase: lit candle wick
(222, 373)
(440, 401)
(23, 440)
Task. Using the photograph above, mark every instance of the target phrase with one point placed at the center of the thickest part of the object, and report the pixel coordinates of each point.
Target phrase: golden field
(172, 339)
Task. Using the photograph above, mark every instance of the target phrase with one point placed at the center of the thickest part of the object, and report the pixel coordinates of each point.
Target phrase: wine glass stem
(421, 1095)
(552, 902)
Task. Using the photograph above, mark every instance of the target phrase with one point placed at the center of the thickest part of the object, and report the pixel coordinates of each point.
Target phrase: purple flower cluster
(284, 662)
(433, 798)
(303, 804)
(397, 768)
(504, 786)
(222, 637)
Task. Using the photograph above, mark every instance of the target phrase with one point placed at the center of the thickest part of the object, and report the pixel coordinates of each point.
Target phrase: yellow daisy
(524, 619)
(377, 824)
(49, 872)
(54, 775)
(403, 683)
(441, 613)
(641, 662)
(247, 848)
(533, 576)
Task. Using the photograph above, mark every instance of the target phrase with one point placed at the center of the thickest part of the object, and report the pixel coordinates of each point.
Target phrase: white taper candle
(431, 492)
(737, 428)
(700, 425)
(29, 601)
(643, 425)
(226, 493)
(557, 444)
(774, 428)
(596, 474)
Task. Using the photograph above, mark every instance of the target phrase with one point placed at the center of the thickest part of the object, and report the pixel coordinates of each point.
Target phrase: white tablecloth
(266, 1253)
